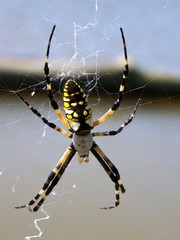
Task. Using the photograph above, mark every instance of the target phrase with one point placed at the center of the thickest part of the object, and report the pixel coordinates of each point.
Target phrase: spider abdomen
(83, 143)
(76, 107)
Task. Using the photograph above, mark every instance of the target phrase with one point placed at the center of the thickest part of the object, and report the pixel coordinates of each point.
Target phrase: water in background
(146, 154)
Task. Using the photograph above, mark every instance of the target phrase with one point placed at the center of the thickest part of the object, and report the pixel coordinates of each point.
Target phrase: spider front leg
(49, 87)
(118, 101)
(52, 179)
(38, 114)
(114, 132)
(112, 172)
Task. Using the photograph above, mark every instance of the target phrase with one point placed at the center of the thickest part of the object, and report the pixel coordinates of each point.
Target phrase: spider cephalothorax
(78, 120)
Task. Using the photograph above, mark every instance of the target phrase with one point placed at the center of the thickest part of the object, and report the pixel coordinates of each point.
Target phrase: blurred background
(87, 45)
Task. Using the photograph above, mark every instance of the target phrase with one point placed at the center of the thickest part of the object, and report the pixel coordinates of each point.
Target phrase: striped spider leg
(112, 172)
(38, 114)
(122, 126)
(52, 180)
(49, 87)
(118, 101)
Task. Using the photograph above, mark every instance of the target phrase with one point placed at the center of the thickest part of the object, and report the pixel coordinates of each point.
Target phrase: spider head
(76, 107)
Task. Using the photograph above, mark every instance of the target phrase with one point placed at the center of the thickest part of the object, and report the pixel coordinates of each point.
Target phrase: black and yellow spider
(79, 122)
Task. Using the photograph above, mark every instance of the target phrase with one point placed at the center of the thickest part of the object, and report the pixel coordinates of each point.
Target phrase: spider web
(74, 63)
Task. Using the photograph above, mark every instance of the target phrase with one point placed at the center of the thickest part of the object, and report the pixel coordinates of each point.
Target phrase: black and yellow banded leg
(114, 132)
(117, 103)
(52, 179)
(38, 114)
(49, 87)
(112, 172)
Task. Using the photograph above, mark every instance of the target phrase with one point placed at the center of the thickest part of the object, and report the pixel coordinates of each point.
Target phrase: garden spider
(79, 122)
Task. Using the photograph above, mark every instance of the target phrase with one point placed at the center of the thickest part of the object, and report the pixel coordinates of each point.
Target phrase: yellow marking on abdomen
(66, 104)
(69, 117)
(74, 104)
(75, 115)
(66, 94)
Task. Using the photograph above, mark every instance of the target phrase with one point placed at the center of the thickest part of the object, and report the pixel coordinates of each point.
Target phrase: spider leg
(49, 87)
(114, 132)
(118, 101)
(112, 172)
(52, 179)
(38, 114)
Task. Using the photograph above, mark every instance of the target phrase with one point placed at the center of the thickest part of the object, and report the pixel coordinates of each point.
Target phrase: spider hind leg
(112, 172)
(52, 180)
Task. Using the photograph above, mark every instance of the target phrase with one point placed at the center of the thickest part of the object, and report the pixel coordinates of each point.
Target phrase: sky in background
(87, 32)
